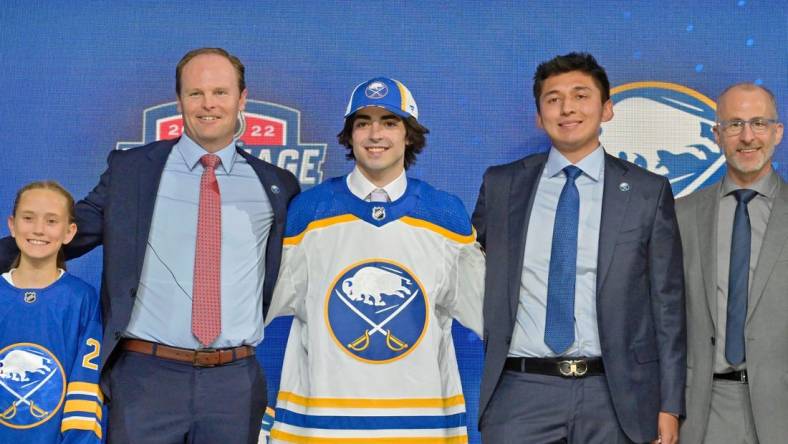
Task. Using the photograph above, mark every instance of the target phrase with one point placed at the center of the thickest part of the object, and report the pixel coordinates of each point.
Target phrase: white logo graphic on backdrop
(667, 129)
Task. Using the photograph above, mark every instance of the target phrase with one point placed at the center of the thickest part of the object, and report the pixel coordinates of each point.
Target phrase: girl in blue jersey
(50, 329)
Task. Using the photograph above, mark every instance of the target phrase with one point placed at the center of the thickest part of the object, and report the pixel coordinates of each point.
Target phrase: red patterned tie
(206, 305)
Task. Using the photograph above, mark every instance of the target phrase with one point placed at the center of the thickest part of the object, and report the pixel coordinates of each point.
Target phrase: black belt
(738, 376)
(565, 367)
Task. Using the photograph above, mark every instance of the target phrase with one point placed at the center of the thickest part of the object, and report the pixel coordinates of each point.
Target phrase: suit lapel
(522, 190)
(707, 211)
(773, 243)
(614, 209)
(272, 190)
(150, 170)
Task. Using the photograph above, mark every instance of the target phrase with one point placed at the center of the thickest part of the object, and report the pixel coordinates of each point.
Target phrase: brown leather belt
(565, 367)
(198, 358)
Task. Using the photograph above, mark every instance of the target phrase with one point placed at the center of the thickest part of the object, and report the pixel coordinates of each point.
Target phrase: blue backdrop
(78, 77)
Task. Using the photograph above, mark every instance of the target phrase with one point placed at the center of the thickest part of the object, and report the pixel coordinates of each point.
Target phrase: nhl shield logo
(377, 311)
(665, 128)
(32, 385)
(378, 213)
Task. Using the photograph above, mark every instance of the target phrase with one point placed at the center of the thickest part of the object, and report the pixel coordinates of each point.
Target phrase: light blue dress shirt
(528, 337)
(163, 307)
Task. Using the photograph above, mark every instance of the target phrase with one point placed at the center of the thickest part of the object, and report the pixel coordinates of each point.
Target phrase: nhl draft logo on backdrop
(667, 129)
(376, 90)
(376, 311)
(272, 133)
(32, 385)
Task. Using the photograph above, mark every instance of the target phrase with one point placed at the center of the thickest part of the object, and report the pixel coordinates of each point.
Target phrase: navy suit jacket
(117, 214)
(640, 289)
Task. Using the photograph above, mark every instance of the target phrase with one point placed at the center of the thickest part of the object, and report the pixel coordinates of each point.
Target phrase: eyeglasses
(758, 125)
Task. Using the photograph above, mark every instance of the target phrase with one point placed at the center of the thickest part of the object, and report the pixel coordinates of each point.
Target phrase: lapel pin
(623, 186)
(274, 189)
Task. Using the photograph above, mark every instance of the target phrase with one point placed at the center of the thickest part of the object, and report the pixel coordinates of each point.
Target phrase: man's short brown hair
(239, 67)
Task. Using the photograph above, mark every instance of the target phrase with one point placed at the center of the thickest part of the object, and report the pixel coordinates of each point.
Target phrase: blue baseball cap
(384, 93)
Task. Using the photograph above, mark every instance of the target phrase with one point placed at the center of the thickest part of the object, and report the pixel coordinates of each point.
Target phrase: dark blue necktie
(738, 278)
(559, 330)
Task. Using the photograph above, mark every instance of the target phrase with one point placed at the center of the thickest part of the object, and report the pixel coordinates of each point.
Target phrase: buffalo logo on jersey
(667, 129)
(271, 132)
(376, 311)
(32, 385)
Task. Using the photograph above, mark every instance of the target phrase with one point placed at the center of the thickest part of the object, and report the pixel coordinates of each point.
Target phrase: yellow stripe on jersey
(290, 437)
(366, 403)
(75, 423)
(463, 239)
(81, 405)
(321, 223)
(84, 388)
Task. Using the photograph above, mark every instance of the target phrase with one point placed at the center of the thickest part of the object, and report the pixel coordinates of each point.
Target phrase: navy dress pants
(529, 408)
(159, 401)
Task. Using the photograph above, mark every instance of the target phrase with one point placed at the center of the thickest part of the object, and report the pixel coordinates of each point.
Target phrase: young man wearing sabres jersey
(375, 267)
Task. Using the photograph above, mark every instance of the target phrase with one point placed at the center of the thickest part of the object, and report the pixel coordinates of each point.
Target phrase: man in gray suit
(734, 237)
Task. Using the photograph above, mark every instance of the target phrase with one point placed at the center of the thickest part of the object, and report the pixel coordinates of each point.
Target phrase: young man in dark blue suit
(191, 219)
(584, 300)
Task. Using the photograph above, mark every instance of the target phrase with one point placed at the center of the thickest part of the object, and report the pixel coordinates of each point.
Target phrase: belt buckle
(573, 368)
(203, 351)
(743, 376)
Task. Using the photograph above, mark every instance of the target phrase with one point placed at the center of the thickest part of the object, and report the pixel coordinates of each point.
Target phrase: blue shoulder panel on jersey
(313, 204)
(420, 201)
(440, 208)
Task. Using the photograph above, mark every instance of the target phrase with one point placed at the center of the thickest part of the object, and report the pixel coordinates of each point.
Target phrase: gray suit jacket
(766, 328)
(640, 294)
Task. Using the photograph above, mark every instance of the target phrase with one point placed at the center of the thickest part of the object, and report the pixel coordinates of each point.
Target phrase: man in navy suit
(584, 301)
(166, 379)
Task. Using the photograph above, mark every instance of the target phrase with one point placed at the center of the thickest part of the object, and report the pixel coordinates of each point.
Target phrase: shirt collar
(191, 153)
(765, 186)
(592, 165)
(360, 186)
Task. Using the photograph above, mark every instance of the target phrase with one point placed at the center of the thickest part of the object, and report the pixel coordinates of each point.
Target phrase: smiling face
(571, 112)
(379, 138)
(748, 154)
(210, 100)
(41, 225)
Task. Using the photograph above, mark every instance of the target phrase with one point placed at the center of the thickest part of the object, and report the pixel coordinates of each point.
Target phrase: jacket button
(713, 341)
(133, 292)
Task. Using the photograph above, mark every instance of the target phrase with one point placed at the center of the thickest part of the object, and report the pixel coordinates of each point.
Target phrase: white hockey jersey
(374, 288)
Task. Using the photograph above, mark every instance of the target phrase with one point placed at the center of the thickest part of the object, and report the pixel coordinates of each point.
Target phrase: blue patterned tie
(738, 278)
(559, 330)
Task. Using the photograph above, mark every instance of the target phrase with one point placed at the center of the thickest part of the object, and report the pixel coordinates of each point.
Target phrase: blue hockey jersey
(50, 340)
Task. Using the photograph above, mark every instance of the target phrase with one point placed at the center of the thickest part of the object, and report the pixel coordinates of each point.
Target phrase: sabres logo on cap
(376, 311)
(32, 385)
(376, 90)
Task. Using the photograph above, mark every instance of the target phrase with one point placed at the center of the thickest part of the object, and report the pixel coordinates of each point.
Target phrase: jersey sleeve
(83, 416)
(467, 287)
(291, 287)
